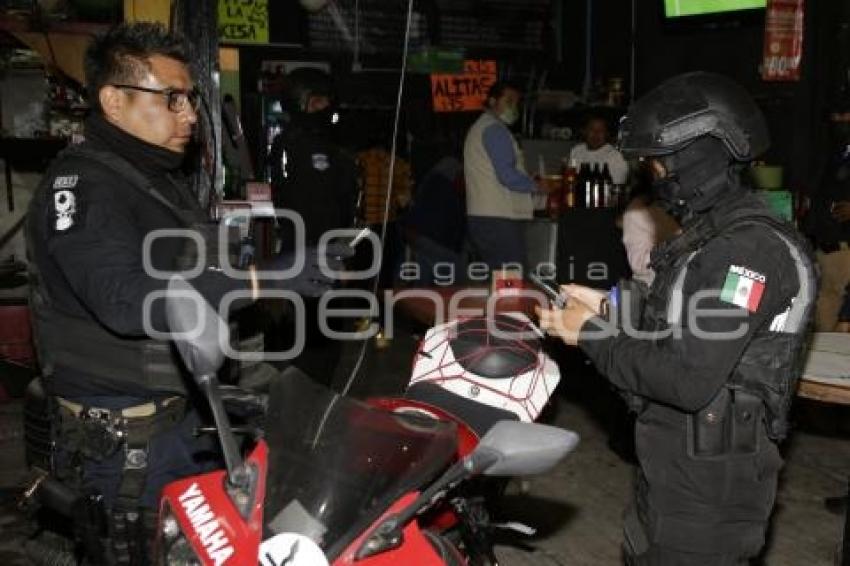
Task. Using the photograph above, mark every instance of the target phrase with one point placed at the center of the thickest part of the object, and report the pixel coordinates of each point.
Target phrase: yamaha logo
(206, 527)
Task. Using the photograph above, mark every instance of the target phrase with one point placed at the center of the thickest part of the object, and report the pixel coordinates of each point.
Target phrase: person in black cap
(709, 356)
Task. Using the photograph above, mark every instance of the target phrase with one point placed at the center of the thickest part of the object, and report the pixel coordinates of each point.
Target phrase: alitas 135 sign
(465, 91)
(783, 40)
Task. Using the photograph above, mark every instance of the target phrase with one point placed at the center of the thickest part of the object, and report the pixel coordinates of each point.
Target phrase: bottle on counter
(553, 199)
(569, 183)
(607, 187)
(596, 185)
(584, 186)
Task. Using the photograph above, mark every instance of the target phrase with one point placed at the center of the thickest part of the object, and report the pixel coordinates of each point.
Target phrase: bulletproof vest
(771, 363)
(84, 345)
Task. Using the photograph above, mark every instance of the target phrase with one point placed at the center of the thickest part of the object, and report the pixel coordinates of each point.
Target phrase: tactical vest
(84, 345)
(771, 363)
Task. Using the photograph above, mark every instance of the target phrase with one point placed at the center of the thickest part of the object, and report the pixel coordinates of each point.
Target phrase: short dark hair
(121, 54)
(498, 89)
(596, 117)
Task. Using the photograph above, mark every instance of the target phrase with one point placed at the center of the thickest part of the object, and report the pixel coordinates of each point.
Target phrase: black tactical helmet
(688, 107)
(303, 83)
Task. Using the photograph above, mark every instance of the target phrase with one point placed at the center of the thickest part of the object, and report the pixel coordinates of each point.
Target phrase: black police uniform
(710, 355)
(86, 230)
(695, 493)
(315, 178)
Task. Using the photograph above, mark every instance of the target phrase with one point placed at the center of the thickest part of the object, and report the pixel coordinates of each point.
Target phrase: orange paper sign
(466, 91)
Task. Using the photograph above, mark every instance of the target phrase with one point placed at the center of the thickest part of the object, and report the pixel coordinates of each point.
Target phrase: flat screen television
(687, 8)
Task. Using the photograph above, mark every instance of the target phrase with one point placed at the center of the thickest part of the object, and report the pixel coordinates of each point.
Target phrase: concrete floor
(577, 507)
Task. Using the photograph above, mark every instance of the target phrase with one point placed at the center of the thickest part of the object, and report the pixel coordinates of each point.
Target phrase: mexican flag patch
(743, 287)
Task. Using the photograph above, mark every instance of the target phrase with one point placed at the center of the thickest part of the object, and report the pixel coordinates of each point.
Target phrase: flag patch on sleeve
(743, 287)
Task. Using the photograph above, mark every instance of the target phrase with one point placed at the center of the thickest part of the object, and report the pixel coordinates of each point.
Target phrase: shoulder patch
(65, 211)
(743, 287)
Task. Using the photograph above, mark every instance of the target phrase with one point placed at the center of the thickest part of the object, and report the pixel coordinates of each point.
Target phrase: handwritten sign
(783, 40)
(244, 21)
(465, 91)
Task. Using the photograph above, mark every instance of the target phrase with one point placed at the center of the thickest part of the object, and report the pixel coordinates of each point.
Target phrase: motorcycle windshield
(336, 464)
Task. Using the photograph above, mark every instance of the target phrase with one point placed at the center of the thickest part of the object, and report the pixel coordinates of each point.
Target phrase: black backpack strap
(127, 171)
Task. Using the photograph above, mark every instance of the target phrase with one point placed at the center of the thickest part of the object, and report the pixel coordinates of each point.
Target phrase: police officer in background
(315, 178)
(123, 398)
(311, 174)
(713, 371)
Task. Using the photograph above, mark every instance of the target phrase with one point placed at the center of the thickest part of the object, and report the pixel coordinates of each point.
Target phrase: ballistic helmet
(691, 106)
(302, 84)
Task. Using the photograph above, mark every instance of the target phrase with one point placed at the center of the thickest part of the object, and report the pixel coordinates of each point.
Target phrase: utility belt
(830, 247)
(98, 433)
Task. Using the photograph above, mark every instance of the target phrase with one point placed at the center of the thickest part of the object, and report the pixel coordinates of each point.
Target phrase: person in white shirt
(596, 149)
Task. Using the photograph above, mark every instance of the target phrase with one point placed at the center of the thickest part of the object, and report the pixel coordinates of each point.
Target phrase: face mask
(316, 121)
(509, 116)
(667, 193)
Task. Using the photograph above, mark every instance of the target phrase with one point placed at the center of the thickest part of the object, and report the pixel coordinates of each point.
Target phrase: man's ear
(112, 101)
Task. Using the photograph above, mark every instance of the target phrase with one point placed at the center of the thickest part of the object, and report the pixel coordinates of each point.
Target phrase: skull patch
(65, 206)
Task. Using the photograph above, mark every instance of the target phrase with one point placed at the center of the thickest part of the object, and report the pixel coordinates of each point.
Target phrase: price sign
(244, 21)
(465, 91)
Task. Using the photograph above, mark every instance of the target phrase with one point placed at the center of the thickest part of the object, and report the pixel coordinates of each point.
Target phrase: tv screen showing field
(677, 8)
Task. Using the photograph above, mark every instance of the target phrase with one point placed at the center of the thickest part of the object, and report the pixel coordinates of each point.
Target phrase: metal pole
(197, 20)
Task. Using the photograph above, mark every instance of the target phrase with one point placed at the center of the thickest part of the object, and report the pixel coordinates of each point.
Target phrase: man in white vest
(498, 190)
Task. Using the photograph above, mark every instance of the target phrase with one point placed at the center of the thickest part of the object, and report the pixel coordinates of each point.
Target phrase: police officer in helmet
(310, 173)
(97, 258)
(709, 356)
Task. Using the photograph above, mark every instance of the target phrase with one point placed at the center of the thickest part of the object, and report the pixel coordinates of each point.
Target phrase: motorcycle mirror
(198, 333)
(513, 448)
(197, 328)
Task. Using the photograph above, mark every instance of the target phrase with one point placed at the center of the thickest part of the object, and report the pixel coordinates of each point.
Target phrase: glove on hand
(310, 281)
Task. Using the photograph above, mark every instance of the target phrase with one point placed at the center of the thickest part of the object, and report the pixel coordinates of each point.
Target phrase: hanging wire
(356, 369)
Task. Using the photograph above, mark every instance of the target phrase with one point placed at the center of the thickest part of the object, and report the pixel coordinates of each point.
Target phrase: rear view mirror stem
(237, 475)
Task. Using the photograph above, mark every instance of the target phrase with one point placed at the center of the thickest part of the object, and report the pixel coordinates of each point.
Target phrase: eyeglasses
(177, 99)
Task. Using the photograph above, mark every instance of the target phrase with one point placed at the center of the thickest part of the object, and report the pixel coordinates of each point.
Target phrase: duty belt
(98, 432)
(135, 412)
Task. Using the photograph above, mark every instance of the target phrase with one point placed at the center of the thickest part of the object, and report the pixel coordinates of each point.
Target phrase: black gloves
(309, 281)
